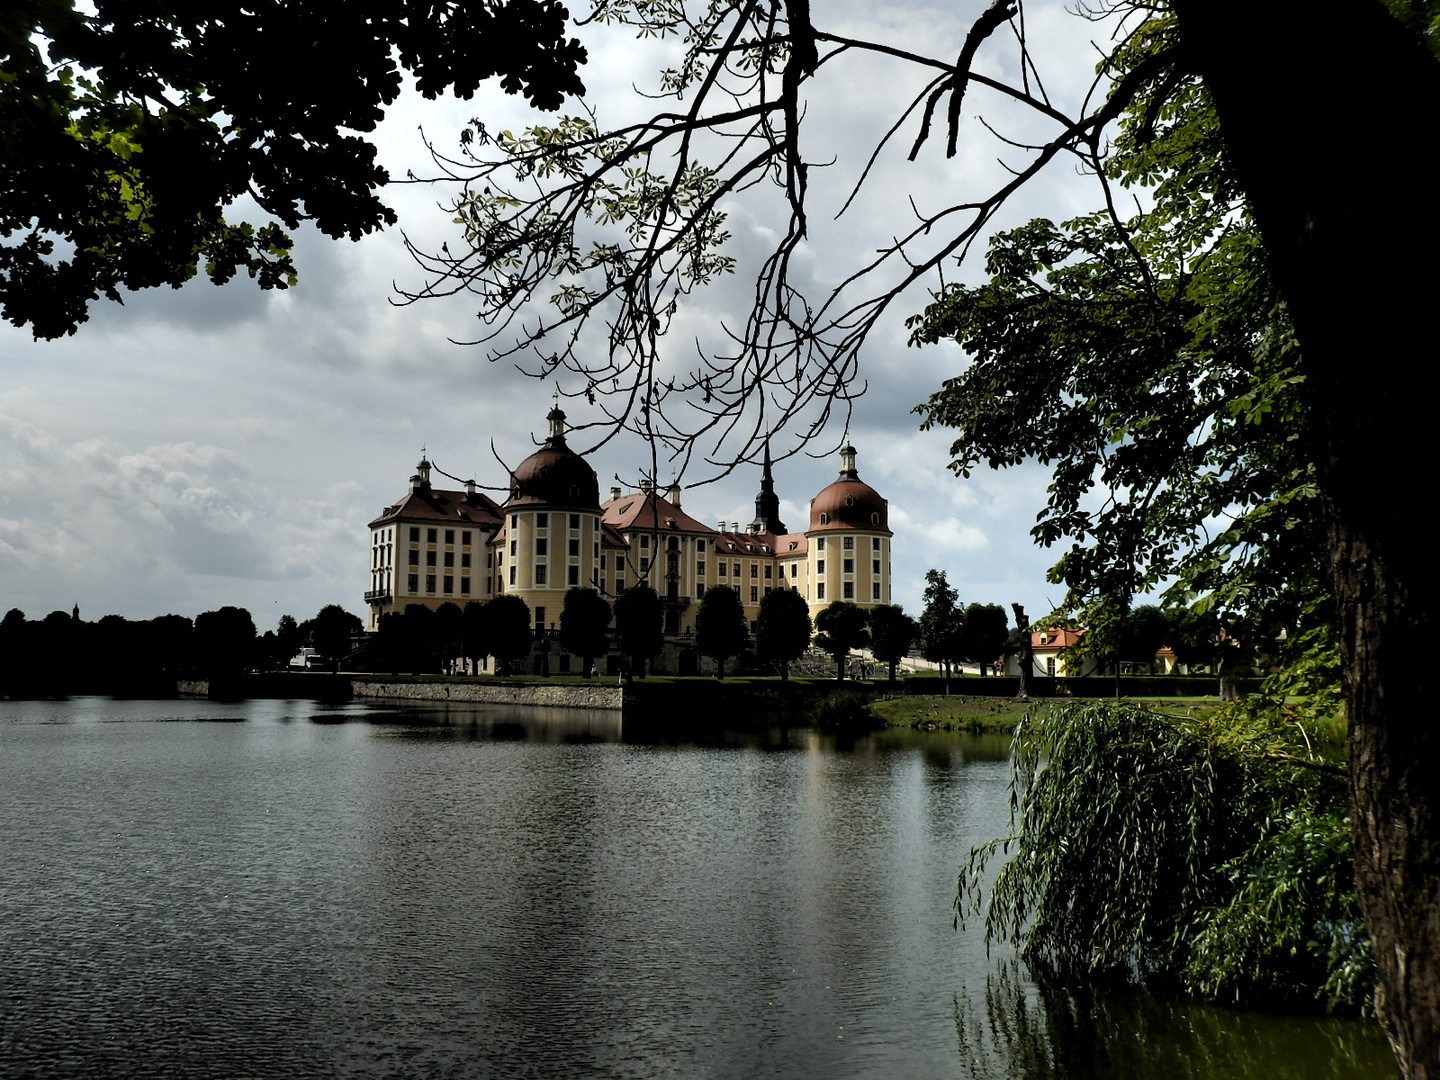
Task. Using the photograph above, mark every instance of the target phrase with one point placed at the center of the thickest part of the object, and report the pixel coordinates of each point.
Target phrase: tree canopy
(129, 131)
(584, 621)
(892, 632)
(720, 628)
(638, 629)
(507, 631)
(783, 629)
(841, 628)
(942, 623)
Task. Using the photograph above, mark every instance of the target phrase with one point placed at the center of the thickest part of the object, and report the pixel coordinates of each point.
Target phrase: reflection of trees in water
(1032, 1026)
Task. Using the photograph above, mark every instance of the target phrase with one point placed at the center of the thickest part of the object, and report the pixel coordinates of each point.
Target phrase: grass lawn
(986, 714)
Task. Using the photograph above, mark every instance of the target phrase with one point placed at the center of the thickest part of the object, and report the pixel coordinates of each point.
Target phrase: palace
(553, 533)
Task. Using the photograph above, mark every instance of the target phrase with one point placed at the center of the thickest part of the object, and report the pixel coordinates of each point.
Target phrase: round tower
(848, 541)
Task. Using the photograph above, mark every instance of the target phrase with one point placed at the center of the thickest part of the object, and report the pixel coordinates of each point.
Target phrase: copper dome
(554, 475)
(849, 503)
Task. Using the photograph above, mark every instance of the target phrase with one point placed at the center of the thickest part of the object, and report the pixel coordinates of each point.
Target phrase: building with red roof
(553, 534)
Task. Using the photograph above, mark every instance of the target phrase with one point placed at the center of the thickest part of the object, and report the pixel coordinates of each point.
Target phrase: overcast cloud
(213, 446)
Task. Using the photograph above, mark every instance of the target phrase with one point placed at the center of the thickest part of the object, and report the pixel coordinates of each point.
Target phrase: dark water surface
(283, 889)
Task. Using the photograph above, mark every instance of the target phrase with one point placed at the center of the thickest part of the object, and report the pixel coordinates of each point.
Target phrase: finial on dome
(847, 461)
(557, 420)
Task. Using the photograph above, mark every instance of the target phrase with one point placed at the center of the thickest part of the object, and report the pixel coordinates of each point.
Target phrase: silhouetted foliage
(507, 632)
(892, 632)
(638, 626)
(720, 628)
(842, 628)
(783, 629)
(584, 621)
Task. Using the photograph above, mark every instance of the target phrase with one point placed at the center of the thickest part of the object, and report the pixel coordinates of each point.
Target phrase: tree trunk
(1325, 112)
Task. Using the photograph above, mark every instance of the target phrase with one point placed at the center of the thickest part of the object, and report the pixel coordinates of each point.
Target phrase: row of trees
(784, 631)
(951, 632)
(62, 653)
(424, 639)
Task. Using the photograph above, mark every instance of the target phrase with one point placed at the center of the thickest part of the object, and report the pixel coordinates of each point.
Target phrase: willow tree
(1320, 119)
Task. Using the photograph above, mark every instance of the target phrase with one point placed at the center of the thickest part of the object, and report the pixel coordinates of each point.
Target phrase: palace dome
(849, 504)
(554, 475)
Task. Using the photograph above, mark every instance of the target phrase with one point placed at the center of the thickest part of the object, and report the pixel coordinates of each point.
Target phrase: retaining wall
(569, 696)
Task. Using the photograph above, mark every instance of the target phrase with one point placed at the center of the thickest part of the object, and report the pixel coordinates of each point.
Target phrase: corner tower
(550, 540)
(848, 541)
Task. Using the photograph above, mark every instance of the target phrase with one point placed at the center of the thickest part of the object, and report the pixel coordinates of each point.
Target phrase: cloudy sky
(213, 446)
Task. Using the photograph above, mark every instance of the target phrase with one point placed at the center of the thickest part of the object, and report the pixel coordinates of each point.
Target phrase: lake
(286, 889)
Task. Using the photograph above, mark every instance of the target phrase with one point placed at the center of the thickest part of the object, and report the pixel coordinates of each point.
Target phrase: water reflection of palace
(553, 533)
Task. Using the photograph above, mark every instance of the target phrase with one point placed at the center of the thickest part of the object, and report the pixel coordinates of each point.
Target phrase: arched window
(824, 519)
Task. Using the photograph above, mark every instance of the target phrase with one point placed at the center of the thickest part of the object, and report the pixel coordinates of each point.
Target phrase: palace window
(875, 566)
(450, 536)
(542, 521)
(700, 568)
(449, 583)
(575, 548)
(768, 571)
(465, 559)
(429, 558)
(848, 543)
(449, 558)
(574, 577)
(875, 591)
(723, 568)
(412, 583)
(575, 521)
(819, 566)
(754, 593)
(414, 557)
(414, 535)
(849, 590)
(849, 566)
(542, 546)
(540, 574)
(464, 586)
(429, 583)
(430, 536)
(820, 591)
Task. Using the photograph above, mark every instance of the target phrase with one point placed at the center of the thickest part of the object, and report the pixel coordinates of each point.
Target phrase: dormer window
(824, 519)
(849, 501)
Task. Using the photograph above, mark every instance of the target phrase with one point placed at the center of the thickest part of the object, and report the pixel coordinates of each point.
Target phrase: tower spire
(767, 503)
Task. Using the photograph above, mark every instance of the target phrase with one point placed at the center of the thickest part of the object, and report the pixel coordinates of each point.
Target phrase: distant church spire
(767, 503)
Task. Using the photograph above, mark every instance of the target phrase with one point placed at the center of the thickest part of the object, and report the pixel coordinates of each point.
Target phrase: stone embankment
(568, 696)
